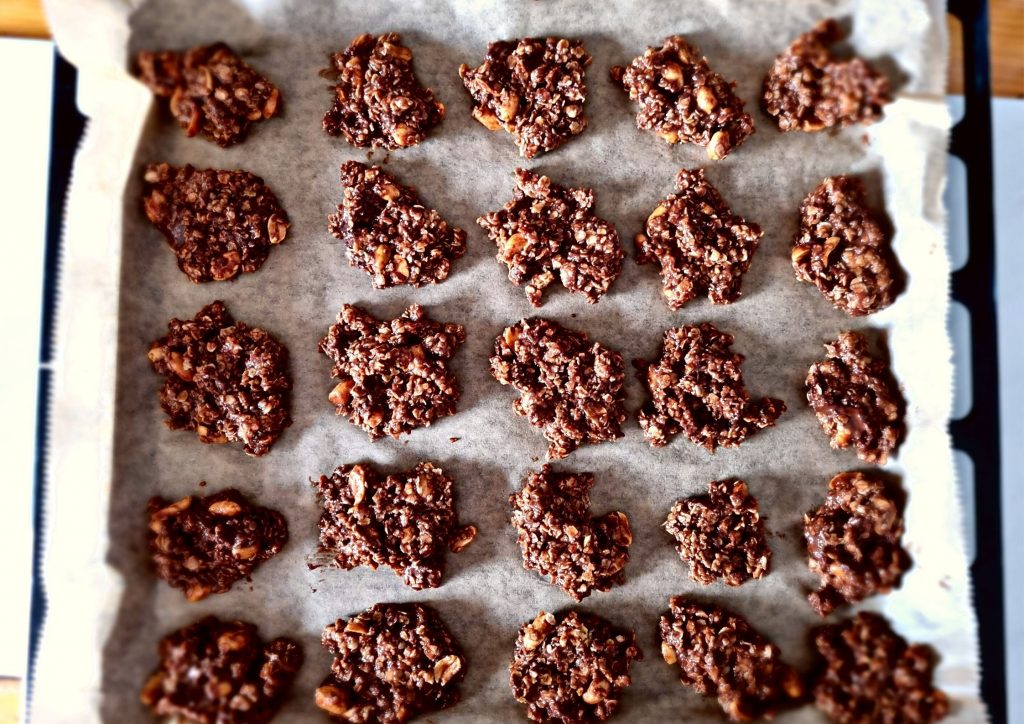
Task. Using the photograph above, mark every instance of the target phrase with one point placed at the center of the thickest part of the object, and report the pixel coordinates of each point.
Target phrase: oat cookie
(808, 89)
(571, 389)
(720, 536)
(393, 376)
(719, 654)
(549, 232)
(870, 675)
(696, 387)
(377, 100)
(559, 539)
(221, 672)
(571, 667)
(841, 249)
(680, 98)
(389, 234)
(218, 223)
(202, 545)
(225, 380)
(210, 90)
(392, 663)
(854, 541)
(405, 521)
(700, 245)
(856, 399)
(533, 88)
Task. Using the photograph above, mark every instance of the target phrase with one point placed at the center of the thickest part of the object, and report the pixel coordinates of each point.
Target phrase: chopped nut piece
(573, 391)
(221, 672)
(719, 654)
(398, 369)
(219, 224)
(224, 379)
(389, 234)
(841, 248)
(377, 100)
(404, 521)
(807, 89)
(210, 90)
(854, 541)
(688, 102)
(561, 541)
(398, 663)
(870, 675)
(721, 534)
(700, 245)
(582, 652)
(696, 387)
(203, 545)
(856, 399)
(534, 88)
(547, 228)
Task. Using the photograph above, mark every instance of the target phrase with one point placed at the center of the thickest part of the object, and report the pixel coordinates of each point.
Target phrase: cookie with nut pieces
(378, 102)
(701, 246)
(203, 545)
(219, 224)
(720, 536)
(210, 90)
(389, 233)
(533, 88)
(548, 232)
(392, 663)
(572, 667)
(570, 388)
(561, 541)
(681, 99)
(404, 520)
(394, 376)
(221, 672)
(224, 380)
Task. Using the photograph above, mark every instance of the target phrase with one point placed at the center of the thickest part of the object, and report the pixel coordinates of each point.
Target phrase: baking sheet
(121, 286)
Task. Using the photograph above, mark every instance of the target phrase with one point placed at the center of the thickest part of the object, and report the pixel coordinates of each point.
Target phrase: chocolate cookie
(218, 223)
(571, 667)
(404, 521)
(696, 387)
(719, 654)
(392, 663)
(225, 380)
(841, 249)
(210, 90)
(871, 675)
(854, 541)
(700, 245)
(394, 376)
(807, 89)
(202, 545)
(548, 231)
(721, 535)
(559, 539)
(221, 672)
(572, 390)
(377, 100)
(856, 399)
(533, 88)
(680, 98)
(389, 234)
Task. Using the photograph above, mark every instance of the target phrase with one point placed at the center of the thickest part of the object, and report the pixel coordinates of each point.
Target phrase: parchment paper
(121, 286)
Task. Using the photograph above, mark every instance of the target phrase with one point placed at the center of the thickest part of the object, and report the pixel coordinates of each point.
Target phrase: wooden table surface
(25, 18)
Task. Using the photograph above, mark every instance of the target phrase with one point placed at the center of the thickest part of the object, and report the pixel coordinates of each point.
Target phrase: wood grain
(23, 19)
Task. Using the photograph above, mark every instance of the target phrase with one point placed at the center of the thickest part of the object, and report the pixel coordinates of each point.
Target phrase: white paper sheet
(111, 451)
